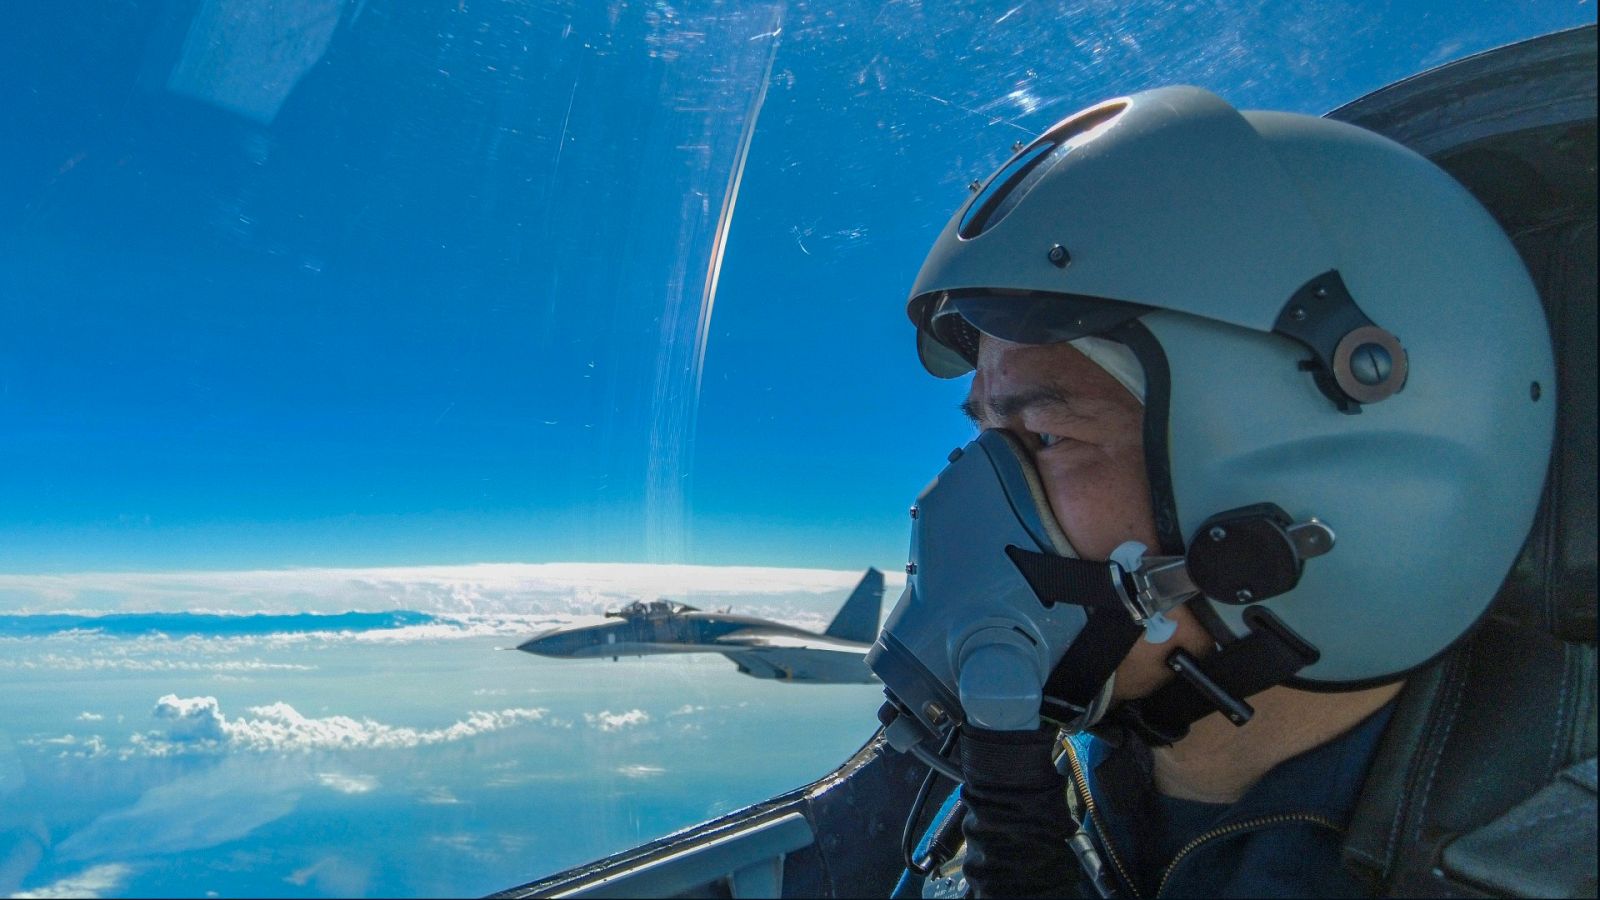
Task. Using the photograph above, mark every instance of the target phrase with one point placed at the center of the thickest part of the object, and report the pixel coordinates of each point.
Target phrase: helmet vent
(1016, 178)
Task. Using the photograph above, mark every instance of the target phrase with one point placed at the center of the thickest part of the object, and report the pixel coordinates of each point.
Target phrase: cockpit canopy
(650, 609)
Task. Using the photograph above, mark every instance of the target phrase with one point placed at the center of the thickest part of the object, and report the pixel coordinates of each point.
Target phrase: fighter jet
(759, 647)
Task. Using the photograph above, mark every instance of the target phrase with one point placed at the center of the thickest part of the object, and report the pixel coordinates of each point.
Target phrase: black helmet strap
(1268, 656)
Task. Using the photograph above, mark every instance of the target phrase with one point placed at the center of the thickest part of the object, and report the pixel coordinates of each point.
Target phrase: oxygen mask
(1001, 624)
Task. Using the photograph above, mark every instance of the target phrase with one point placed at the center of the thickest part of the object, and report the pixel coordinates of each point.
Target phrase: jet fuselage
(759, 647)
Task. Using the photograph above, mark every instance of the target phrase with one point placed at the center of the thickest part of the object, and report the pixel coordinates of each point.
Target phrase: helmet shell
(1172, 201)
(1431, 492)
(1215, 218)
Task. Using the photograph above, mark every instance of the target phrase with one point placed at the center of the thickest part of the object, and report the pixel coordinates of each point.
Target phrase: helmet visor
(953, 319)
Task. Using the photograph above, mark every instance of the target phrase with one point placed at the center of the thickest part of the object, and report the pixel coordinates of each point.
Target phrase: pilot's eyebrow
(1006, 406)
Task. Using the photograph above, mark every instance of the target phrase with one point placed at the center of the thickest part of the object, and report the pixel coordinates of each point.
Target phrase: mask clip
(1159, 584)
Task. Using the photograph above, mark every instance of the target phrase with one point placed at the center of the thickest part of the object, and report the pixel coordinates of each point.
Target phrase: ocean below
(392, 754)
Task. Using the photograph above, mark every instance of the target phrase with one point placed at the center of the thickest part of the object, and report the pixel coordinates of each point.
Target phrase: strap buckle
(1240, 556)
(1150, 586)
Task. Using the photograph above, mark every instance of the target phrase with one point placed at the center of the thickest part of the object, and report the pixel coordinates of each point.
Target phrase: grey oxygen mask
(1001, 624)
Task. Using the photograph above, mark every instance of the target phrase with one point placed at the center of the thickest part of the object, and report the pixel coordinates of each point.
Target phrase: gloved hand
(1017, 822)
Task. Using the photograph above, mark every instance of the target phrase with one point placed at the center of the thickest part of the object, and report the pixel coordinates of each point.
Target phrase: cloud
(191, 718)
(197, 724)
(89, 717)
(455, 628)
(70, 745)
(688, 709)
(122, 663)
(227, 654)
(95, 881)
(482, 589)
(606, 720)
(466, 844)
(483, 847)
(334, 876)
(347, 784)
(640, 771)
(219, 804)
(439, 796)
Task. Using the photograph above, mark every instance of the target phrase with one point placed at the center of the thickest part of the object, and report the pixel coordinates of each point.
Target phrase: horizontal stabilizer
(858, 618)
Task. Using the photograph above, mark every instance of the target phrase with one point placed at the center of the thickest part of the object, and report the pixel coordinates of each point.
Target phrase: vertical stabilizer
(858, 618)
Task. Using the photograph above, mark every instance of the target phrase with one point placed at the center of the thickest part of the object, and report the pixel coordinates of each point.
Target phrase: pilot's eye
(1047, 440)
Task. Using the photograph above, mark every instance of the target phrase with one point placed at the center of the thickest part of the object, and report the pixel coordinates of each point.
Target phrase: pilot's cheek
(1101, 501)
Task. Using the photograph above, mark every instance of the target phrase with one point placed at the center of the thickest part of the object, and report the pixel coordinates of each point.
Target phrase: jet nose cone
(543, 643)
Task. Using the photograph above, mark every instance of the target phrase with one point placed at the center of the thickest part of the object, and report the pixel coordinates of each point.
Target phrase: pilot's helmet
(1324, 320)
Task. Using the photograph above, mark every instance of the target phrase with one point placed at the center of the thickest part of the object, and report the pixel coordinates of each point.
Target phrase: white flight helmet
(1327, 322)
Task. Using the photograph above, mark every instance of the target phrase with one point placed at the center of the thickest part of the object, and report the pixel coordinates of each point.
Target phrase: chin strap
(1119, 604)
(1248, 554)
(1075, 683)
(1269, 655)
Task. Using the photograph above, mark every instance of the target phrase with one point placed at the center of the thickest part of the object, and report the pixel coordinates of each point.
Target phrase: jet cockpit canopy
(650, 609)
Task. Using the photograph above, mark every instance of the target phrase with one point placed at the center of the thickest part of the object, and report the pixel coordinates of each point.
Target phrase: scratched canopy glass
(345, 346)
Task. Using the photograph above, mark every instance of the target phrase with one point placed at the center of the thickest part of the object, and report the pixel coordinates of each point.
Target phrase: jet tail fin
(857, 620)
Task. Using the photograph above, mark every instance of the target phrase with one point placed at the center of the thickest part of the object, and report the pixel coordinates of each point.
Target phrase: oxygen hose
(1017, 823)
(908, 840)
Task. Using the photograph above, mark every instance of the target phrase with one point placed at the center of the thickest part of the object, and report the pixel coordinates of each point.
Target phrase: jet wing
(755, 640)
(797, 657)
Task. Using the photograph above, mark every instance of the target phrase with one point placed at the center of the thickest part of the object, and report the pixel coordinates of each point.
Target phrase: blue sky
(291, 291)
(434, 294)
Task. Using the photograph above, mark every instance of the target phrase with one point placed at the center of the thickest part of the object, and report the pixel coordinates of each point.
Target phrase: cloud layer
(95, 881)
(606, 720)
(347, 784)
(197, 724)
(483, 589)
(85, 662)
(210, 806)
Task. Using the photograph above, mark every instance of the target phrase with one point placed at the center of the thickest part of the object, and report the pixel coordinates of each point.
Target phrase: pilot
(1217, 338)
